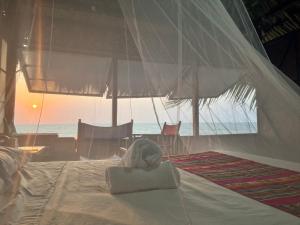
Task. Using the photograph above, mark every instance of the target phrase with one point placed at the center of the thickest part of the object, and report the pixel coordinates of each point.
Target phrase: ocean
(70, 130)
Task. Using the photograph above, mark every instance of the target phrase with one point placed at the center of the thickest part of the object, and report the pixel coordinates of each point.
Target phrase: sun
(34, 106)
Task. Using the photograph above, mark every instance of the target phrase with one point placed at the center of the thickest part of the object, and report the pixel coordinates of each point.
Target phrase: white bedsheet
(74, 193)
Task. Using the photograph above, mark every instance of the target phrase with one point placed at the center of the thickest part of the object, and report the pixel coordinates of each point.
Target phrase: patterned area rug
(270, 185)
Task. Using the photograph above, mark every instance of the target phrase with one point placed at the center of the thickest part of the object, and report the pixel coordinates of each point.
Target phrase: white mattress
(74, 193)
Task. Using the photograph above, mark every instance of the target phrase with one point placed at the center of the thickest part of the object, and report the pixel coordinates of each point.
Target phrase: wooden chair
(95, 142)
(168, 139)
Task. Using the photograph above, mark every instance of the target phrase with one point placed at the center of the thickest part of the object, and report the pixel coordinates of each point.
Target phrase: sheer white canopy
(199, 64)
(196, 50)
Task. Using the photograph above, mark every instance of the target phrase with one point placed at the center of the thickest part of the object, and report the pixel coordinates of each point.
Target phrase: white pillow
(8, 166)
(19, 156)
(2, 186)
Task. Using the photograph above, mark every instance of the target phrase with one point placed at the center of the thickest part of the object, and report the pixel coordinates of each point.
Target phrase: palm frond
(240, 93)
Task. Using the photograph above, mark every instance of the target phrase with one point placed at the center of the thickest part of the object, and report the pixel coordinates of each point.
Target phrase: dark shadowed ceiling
(278, 25)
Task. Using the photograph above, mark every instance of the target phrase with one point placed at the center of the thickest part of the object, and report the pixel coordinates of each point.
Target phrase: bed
(74, 193)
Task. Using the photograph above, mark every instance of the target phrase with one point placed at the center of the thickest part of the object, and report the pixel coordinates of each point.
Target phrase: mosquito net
(196, 64)
(199, 61)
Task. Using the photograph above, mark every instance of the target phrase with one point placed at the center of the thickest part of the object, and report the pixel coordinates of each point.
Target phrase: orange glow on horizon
(58, 108)
(62, 109)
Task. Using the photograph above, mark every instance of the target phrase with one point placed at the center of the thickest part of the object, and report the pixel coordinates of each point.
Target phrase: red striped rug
(270, 185)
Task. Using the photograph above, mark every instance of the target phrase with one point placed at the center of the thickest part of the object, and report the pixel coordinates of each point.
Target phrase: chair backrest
(101, 141)
(88, 131)
(171, 130)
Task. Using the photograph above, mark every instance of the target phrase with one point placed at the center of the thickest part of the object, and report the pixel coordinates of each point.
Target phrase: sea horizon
(70, 129)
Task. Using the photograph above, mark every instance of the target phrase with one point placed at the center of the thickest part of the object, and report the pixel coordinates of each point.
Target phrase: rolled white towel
(143, 153)
(126, 180)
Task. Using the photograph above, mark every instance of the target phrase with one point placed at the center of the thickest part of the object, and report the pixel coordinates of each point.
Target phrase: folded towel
(125, 180)
(143, 153)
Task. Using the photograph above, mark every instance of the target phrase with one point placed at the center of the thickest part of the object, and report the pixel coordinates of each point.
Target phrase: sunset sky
(62, 109)
(68, 109)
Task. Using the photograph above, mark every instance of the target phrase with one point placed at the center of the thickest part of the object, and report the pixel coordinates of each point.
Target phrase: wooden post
(12, 28)
(114, 92)
(195, 103)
